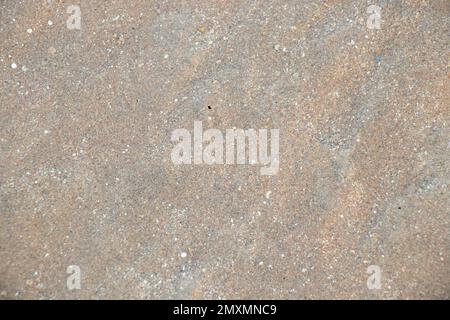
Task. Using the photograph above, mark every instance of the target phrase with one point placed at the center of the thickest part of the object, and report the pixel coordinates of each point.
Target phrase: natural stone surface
(86, 176)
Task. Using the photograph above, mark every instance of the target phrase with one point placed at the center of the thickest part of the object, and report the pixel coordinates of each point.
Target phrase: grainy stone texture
(86, 176)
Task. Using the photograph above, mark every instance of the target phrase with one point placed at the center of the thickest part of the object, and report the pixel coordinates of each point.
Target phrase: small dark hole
(209, 107)
(399, 208)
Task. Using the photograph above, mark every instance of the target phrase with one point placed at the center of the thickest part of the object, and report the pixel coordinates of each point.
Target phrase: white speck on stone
(50, 22)
(277, 47)
(268, 193)
(13, 65)
(29, 30)
(166, 56)
(183, 254)
(24, 69)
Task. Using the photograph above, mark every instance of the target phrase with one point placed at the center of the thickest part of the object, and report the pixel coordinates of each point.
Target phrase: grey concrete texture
(86, 176)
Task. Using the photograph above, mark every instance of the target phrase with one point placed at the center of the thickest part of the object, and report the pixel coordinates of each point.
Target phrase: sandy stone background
(86, 176)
